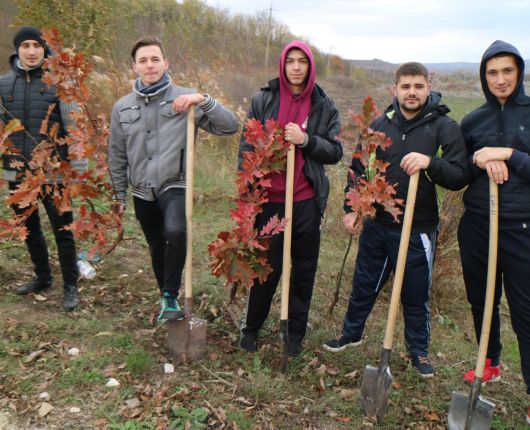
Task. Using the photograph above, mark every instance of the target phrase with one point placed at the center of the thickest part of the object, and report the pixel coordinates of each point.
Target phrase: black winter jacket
(495, 125)
(431, 133)
(323, 126)
(24, 96)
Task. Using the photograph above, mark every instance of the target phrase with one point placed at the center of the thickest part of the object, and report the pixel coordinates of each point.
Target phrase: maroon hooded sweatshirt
(294, 108)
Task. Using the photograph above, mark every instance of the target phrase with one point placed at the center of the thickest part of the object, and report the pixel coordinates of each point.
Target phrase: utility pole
(268, 37)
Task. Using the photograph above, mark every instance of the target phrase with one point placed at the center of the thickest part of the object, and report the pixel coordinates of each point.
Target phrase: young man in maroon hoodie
(312, 124)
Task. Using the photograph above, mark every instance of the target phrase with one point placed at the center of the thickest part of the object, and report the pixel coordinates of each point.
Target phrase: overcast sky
(398, 31)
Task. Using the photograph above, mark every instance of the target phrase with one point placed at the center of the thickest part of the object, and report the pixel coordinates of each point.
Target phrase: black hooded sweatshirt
(496, 125)
(430, 132)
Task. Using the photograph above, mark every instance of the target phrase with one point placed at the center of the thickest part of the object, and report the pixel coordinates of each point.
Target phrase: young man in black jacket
(24, 96)
(312, 124)
(497, 136)
(424, 139)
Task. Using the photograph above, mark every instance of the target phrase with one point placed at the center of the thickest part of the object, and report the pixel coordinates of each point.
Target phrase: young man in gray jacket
(147, 148)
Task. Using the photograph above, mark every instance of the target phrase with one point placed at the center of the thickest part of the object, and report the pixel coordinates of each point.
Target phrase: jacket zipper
(27, 93)
(181, 168)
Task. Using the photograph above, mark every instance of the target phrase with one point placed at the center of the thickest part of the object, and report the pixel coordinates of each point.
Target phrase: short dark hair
(412, 69)
(146, 41)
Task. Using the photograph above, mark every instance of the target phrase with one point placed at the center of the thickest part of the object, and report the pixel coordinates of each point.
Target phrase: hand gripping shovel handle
(286, 265)
(190, 154)
(402, 259)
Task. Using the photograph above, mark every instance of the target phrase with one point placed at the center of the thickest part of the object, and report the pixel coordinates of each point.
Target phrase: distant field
(460, 106)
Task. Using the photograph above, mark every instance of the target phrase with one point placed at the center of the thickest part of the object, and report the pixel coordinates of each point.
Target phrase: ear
(394, 90)
(166, 65)
(134, 67)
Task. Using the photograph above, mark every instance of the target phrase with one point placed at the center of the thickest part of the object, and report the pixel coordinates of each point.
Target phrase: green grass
(461, 105)
(139, 362)
(83, 371)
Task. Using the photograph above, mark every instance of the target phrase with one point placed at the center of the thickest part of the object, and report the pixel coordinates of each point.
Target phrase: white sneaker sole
(341, 348)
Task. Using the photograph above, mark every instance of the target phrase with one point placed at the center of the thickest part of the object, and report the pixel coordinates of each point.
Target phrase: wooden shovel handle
(286, 265)
(402, 259)
(190, 149)
(490, 283)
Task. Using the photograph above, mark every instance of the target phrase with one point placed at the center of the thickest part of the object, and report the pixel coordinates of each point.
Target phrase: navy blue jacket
(496, 125)
(430, 132)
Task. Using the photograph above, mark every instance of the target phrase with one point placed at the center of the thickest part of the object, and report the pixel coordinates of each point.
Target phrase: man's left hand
(294, 134)
(482, 156)
(183, 103)
(414, 162)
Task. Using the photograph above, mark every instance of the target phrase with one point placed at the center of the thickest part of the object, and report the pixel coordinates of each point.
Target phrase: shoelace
(423, 360)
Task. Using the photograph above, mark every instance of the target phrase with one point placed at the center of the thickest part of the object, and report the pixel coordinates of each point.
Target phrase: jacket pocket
(129, 115)
(166, 110)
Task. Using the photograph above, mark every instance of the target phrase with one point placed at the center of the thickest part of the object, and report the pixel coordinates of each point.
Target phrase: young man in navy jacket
(497, 136)
(424, 139)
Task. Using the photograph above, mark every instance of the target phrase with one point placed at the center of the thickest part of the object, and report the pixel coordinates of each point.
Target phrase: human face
(149, 64)
(502, 75)
(296, 70)
(412, 93)
(30, 53)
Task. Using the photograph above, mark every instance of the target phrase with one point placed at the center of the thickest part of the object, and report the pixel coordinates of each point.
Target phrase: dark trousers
(163, 222)
(513, 272)
(376, 259)
(304, 253)
(36, 243)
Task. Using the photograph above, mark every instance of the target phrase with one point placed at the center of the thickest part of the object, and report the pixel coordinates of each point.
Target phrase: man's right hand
(497, 171)
(118, 207)
(350, 222)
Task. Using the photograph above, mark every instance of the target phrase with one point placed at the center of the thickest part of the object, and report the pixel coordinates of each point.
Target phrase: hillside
(45, 385)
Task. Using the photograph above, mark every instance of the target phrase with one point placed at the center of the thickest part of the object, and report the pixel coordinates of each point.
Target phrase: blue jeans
(376, 259)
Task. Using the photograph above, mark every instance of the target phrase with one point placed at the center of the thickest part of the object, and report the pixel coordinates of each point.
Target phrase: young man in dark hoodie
(424, 139)
(497, 136)
(24, 96)
(312, 124)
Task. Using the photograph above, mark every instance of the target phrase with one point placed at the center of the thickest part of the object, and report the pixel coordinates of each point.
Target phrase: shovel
(473, 412)
(187, 338)
(286, 264)
(377, 382)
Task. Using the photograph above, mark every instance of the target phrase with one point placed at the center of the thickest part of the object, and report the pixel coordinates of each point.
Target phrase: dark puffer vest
(24, 96)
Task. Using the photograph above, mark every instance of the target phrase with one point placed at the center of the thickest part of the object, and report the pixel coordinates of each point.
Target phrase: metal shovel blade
(376, 387)
(480, 416)
(187, 338)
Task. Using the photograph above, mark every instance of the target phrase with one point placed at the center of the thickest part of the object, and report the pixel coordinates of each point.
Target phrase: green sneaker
(169, 308)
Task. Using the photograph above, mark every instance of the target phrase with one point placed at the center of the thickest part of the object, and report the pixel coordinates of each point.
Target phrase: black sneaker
(249, 342)
(71, 297)
(340, 344)
(422, 364)
(35, 286)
